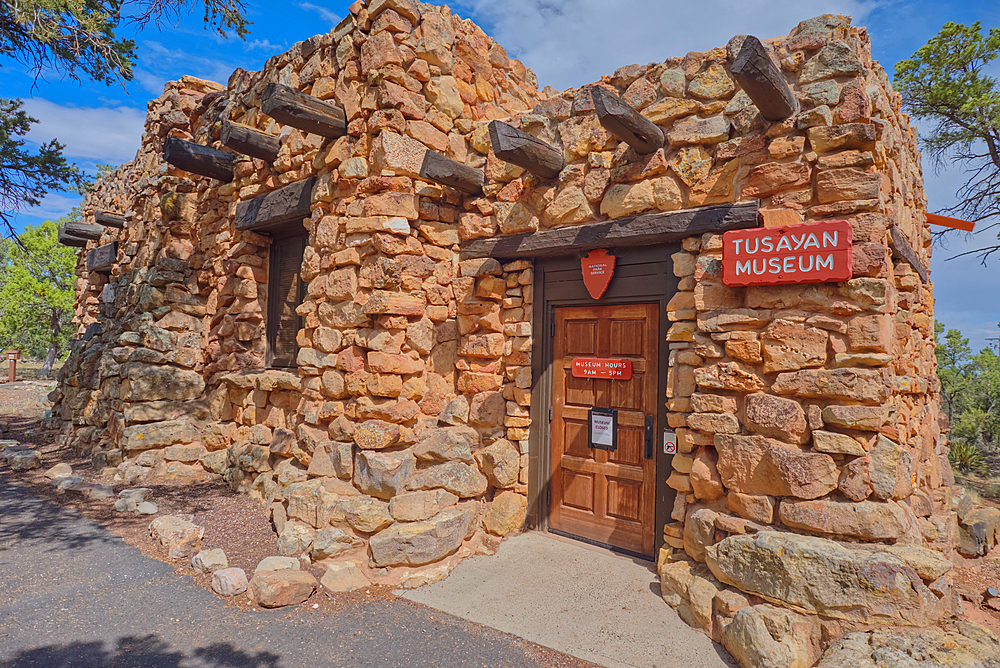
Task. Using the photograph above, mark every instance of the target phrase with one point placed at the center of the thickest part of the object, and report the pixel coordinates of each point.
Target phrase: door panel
(599, 495)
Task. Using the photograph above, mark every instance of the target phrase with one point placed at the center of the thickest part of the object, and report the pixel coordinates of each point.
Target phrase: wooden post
(83, 230)
(448, 172)
(521, 149)
(305, 112)
(69, 240)
(626, 123)
(760, 77)
(109, 220)
(198, 159)
(102, 258)
(246, 140)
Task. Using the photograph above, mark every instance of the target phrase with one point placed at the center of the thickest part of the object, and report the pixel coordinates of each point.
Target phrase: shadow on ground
(146, 652)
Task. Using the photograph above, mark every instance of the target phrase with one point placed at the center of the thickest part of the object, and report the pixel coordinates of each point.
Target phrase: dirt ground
(239, 526)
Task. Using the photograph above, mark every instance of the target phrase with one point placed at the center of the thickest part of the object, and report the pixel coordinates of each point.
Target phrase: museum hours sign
(808, 253)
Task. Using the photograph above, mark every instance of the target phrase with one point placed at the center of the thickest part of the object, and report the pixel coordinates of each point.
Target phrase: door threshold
(603, 546)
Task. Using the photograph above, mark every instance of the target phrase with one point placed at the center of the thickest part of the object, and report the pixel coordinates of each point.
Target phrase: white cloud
(324, 13)
(160, 64)
(573, 42)
(99, 134)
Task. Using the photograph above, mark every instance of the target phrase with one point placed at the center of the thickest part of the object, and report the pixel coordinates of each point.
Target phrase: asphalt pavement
(74, 595)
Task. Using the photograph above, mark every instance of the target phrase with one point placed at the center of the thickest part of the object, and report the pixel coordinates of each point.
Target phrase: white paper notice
(602, 430)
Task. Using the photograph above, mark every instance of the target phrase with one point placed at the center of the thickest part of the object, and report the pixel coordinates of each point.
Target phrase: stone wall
(401, 440)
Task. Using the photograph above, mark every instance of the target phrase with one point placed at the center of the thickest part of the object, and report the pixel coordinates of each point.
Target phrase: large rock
(376, 434)
(461, 479)
(861, 385)
(763, 466)
(763, 636)
(179, 536)
(867, 520)
(889, 470)
(418, 543)
(229, 581)
(447, 444)
(417, 506)
(690, 588)
(820, 576)
(383, 474)
(501, 462)
(957, 644)
(158, 435)
(363, 514)
(776, 417)
(344, 577)
(276, 589)
(788, 346)
(24, 460)
(209, 561)
(979, 531)
(147, 382)
(295, 538)
(505, 513)
(329, 542)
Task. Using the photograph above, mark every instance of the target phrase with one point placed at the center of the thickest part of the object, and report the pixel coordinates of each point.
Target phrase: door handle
(650, 436)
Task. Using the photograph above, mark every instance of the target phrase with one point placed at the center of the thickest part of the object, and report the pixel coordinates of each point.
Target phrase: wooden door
(605, 496)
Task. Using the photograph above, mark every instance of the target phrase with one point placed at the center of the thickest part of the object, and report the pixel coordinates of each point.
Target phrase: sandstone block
(229, 582)
(871, 333)
(714, 423)
(362, 513)
(840, 444)
(889, 468)
(835, 185)
(774, 177)
(383, 474)
(330, 542)
(790, 345)
(776, 417)
(867, 418)
(447, 444)
(763, 635)
(764, 466)
(150, 383)
(209, 561)
(868, 520)
(377, 434)
(501, 462)
(861, 385)
(276, 589)
(295, 538)
(460, 479)
(754, 507)
(704, 476)
(960, 643)
(827, 138)
(505, 513)
(158, 435)
(729, 376)
(421, 505)
(979, 531)
(418, 543)
(344, 577)
(693, 130)
(180, 537)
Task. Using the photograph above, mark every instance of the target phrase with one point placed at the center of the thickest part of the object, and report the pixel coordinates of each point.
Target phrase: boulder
(867, 520)
(957, 644)
(763, 466)
(180, 536)
(689, 588)
(344, 577)
(505, 513)
(209, 561)
(978, 532)
(295, 538)
(276, 589)
(278, 564)
(777, 417)
(383, 474)
(333, 459)
(229, 581)
(363, 514)
(501, 462)
(447, 444)
(460, 479)
(24, 460)
(418, 543)
(763, 636)
(60, 469)
(329, 542)
(820, 576)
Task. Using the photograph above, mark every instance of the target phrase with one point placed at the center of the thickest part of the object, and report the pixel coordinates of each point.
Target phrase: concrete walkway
(574, 598)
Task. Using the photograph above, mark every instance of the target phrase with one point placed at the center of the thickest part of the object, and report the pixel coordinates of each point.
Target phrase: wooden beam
(758, 75)
(81, 230)
(69, 240)
(198, 159)
(521, 149)
(109, 220)
(626, 123)
(246, 140)
(954, 223)
(305, 112)
(448, 172)
(102, 258)
(901, 248)
(640, 230)
(276, 209)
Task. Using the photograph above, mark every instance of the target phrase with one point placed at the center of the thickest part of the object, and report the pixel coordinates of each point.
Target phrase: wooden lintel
(109, 220)
(82, 230)
(305, 112)
(449, 172)
(69, 240)
(198, 159)
(248, 141)
(902, 249)
(102, 258)
(954, 223)
(626, 123)
(640, 230)
(276, 209)
(760, 77)
(521, 149)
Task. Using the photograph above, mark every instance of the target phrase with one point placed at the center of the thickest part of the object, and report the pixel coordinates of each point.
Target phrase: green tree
(945, 83)
(36, 293)
(953, 355)
(73, 38)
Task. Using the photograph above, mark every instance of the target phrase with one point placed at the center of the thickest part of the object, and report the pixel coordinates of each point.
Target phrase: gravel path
(74, 595)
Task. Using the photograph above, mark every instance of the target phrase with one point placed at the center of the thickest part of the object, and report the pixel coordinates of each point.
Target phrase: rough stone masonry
(812, 471)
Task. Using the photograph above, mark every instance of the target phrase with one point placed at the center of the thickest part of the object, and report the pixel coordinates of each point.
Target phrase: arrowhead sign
(598, 268)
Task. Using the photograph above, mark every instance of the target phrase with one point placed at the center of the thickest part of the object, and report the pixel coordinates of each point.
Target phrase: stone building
(350, 284)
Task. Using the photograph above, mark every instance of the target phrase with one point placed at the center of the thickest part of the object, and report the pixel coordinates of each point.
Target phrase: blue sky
(566, 42)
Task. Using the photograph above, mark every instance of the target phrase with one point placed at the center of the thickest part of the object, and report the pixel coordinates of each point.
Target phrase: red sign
(598, 268)
(584, 367)
(807, 253)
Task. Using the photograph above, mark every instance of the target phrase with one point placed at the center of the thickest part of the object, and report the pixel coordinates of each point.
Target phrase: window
(285, 291)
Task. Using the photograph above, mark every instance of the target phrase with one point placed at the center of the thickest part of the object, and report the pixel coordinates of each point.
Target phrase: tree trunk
(55, 327)
(50, 360)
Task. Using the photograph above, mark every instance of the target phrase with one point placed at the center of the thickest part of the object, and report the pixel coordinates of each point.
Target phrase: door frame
(545, 301)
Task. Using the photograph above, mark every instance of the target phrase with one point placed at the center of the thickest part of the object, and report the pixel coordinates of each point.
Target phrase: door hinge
(550, 415)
